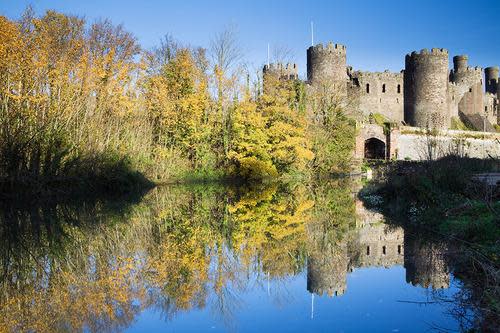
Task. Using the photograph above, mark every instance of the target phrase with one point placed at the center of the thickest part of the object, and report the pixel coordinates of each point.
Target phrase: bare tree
(167, 50)
(225, 49)
(226, 55)
(282, 54)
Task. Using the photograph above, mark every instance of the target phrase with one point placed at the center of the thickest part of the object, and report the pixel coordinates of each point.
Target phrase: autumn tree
(67, 98)
(332, 127)
(286, 124)
(178, 101)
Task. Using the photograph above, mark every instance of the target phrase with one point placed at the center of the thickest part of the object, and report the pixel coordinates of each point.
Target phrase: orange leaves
(9, 42)
(177, 100)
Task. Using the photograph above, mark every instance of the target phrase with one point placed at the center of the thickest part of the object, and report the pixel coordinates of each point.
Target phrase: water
(211, 258)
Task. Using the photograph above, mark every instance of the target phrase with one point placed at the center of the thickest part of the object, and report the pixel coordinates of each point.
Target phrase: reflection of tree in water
(52, 280)
(333, 219)
(88, 267)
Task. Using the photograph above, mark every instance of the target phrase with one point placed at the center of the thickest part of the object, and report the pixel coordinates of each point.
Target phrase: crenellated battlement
(427, 52)
(328, 48)
(281, 66)
(472, 69)
(285, 71)
(475, 69)
(326, 65)
(468, 74)
(380, 75)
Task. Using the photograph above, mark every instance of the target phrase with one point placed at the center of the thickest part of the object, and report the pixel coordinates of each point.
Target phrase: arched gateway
(374, 149)
(371, 142)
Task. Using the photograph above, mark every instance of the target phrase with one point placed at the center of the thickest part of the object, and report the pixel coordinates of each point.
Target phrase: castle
(426, 93)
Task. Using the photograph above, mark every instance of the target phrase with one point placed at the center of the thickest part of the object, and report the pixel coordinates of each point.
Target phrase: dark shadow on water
(94, 179)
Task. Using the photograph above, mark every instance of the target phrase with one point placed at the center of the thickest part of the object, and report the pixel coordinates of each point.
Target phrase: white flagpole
(312, 305)
(312, 33)
(267, 54)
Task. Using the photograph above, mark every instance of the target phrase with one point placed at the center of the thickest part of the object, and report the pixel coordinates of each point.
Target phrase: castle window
(367, 250)
(399, 89)
(383, 88)
(470, 89)
(399, 249)
(383, 250)
(367, 88)
(486, 109)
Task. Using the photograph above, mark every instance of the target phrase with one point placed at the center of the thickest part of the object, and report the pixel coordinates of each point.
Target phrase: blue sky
(377, 33)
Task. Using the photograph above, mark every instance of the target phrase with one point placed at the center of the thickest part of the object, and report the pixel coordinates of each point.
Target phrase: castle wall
(377, 244)
(491, 108)
(426, 94)
(472, 101)
(378, 93)
(413, 144)
(426, 89)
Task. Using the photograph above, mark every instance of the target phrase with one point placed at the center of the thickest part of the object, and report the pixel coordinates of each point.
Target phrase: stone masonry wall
(414, 143)
(379, 92)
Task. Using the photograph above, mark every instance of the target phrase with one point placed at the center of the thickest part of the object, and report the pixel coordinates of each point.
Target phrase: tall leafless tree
(225, 49)
(226, 55)
(282, 54)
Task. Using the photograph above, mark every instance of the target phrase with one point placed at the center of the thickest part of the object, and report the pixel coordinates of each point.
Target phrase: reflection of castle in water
(375, 244)
(425, 264)
(327, 271)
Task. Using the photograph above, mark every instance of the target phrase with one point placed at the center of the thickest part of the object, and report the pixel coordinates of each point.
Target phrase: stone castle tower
(426, 89)
(326, 66)
(467, 93)
(491, 78)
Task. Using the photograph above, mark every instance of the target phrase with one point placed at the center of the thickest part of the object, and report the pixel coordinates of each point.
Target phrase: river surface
(213, 258)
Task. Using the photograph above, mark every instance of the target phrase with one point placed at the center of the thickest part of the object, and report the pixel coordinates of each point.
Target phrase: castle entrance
(374, 149)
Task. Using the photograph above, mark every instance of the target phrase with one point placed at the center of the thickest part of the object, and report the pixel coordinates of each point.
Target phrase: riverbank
(445, 198)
